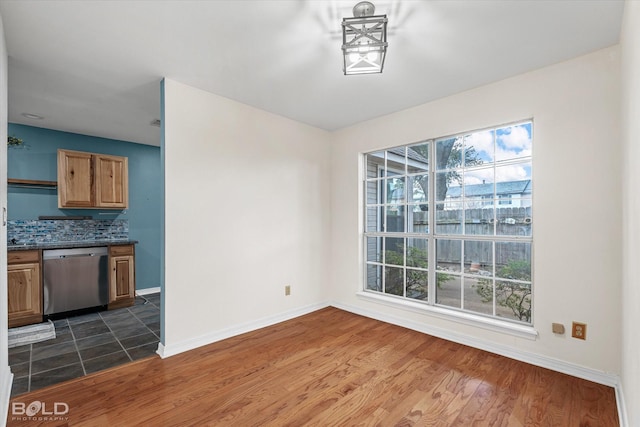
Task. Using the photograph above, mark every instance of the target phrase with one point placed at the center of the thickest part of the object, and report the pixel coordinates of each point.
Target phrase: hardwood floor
(327, 368)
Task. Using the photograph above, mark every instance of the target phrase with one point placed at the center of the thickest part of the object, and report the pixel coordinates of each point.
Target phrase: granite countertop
(63, 244)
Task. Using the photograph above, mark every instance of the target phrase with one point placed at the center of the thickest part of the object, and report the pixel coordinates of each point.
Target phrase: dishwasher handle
(76, 255)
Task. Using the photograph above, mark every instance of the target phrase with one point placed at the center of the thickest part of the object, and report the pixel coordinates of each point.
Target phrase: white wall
(5, 373)
(246, 212)
(630, 45)
(577, 197)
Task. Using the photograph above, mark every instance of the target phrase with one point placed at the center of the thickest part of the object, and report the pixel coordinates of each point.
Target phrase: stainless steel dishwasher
(75, 279)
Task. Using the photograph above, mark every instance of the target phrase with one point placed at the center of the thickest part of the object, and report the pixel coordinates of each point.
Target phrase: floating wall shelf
(32, 183)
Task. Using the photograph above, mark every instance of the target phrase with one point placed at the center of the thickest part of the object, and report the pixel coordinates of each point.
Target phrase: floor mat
(31, 334)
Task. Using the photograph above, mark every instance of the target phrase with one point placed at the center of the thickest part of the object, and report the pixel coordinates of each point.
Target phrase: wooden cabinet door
(24, 293)
(75, 179)
(112, 181)
(122, 283)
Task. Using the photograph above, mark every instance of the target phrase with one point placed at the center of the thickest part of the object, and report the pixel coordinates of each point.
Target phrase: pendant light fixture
(364, 40)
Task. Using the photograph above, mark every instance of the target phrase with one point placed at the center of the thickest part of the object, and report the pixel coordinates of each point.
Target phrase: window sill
(494, 325)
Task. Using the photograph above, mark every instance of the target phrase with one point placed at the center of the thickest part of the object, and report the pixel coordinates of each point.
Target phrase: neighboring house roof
(411, 154)
(478, 190)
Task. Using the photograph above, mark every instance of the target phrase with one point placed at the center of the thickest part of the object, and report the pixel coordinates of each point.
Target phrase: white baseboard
(622, 408)
(160, 350)
(148, 291)
(6, 380)
(596, 376)
(186, 345)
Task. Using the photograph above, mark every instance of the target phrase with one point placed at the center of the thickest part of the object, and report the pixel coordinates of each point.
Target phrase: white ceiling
(94, 67)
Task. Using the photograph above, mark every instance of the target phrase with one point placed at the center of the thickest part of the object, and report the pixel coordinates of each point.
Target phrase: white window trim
(494, 324)
(462, 317)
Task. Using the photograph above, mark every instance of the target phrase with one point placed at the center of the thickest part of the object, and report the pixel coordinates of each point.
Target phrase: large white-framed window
(448, 222)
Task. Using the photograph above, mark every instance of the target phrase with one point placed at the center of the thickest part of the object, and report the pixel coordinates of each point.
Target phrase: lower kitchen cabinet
(24, 288)
(122, 283)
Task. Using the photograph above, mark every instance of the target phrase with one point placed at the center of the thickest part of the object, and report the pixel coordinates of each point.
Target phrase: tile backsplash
(53, 231)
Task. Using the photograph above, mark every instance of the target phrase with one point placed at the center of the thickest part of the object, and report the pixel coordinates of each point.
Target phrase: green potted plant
(13, 141)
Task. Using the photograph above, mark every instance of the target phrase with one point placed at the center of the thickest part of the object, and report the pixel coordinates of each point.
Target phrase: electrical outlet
(579, 330)
(287, 290)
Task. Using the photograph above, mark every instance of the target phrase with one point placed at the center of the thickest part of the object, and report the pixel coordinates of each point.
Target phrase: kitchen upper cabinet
(24, 288)
(88, 180)
(111, 181)
(122, 283)
(75, 180)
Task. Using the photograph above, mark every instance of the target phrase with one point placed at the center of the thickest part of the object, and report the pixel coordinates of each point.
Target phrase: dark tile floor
(88, 343)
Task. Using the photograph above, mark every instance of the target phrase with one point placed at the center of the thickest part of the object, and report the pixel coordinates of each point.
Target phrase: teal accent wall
(37, 159)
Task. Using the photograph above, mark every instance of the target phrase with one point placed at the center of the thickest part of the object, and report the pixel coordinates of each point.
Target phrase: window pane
(448, 290)
(513, 142)
(374, 277)
(513, 261)
(514, 179)
(417, 284)
(396, 161)
(395, 190)
(374, 161)
(394, 250)
(513, 300)
(417, 250)
(394, 281)
(449, 153)
(478, 295)
(478, 184)
(395, 218)
(479, 148)
(513, 191)
(449, 218)
(373, 191)
(479, 221)
(421, 207)
(513, 221)
(419, 185)
(419, 218)
(448, 186)
(478, 257)
(514, 173)
(418, 158)
(374, 218)
(374, 249)
(448, 255)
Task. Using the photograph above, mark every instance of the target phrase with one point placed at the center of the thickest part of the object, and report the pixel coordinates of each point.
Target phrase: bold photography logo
(41, 410)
